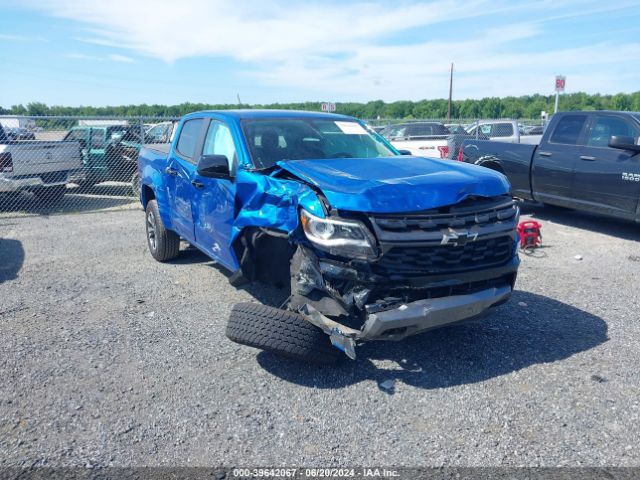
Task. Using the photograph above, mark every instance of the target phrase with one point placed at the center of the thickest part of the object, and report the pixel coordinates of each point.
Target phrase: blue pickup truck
(366, 243)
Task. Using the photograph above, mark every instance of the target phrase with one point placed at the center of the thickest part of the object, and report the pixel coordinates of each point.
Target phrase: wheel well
(147, 194)
(492, 165)
(265, 256)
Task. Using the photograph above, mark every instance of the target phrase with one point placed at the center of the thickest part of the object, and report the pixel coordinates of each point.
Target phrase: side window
(397, 131)
(485, 130)
(419, 130)
(189, 138)
(605, 126)
(501, 130)
(219, 141)
(97, 137)
(567, 131)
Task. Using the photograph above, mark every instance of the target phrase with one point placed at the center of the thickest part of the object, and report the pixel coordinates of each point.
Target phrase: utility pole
(450, 93)
(239, 101)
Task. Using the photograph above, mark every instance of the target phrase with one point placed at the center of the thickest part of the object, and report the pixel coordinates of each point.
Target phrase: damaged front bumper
(415, 317)
(358, 313)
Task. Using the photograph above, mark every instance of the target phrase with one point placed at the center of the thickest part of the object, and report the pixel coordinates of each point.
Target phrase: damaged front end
(388, 276)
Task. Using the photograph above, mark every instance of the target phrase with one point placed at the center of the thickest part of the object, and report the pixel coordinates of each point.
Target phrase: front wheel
(281, 332)
(163, 244)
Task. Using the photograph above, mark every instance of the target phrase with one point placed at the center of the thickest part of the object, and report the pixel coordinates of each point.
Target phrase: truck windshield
(271, 140)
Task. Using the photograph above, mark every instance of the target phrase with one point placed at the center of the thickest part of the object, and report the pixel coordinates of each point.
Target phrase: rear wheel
(163, 244)
(282, 332)
(50, 194)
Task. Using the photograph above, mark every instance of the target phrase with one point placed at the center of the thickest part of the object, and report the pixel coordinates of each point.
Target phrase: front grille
(426, 260)
(477, 214)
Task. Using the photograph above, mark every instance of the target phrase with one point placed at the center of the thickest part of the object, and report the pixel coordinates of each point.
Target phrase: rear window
(189, 135)
(568, 130)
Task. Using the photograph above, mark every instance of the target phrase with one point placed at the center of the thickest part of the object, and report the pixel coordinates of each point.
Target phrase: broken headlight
(349, 238)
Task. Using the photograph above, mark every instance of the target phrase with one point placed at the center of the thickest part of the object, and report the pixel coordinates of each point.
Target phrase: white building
(18, 122)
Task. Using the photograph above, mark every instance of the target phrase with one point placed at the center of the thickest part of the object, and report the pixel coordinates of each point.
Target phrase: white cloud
(113, 57)
(10, 37)
(338, 49)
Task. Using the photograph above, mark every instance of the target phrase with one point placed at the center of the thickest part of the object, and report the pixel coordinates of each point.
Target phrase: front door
(554, 161)
(180, 172)
(213, 198)
(605, 178)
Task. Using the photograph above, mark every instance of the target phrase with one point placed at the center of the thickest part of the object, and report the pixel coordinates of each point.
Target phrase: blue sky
(78, 52)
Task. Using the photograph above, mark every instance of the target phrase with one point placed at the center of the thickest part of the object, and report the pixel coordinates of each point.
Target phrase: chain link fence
(73, 164)
(54, 165)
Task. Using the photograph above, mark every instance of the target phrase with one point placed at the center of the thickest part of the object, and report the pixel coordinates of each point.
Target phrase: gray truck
(41, 167)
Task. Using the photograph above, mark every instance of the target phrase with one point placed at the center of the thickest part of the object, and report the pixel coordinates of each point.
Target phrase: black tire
(50, 194)
(281, 332)
(163, 244)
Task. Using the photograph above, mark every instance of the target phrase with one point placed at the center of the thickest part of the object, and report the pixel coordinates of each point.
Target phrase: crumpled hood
(396, 184)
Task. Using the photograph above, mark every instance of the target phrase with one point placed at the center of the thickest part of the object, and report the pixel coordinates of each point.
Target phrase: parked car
(106, 154)
(16, 134)
(586, 160)
(160, 132)
(365, 244)
(419, 138)
(37, 166)
(534, 130)
(501, 130)
(455, 128)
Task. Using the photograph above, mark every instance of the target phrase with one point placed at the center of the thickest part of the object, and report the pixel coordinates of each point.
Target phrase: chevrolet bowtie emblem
(458, 238)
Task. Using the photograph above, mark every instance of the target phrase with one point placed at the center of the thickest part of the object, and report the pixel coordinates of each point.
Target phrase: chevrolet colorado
(366, 243)
(585, 160)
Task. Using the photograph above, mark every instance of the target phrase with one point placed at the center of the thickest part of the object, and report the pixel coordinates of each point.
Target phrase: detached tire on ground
(163, 244)
(281, 332)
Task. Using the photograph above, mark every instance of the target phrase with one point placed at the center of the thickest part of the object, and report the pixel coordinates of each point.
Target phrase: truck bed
(30, 158)
(514, 160)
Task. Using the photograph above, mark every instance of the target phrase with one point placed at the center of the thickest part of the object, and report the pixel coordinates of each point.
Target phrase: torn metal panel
(341, 336)
(396, 184)
(266, 201)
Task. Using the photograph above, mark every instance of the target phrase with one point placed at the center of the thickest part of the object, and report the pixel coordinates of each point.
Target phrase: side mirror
(404, 152)
(213, 166)
(624, 143)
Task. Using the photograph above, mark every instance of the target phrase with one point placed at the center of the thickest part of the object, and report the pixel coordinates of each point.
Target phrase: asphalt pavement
(110, 358)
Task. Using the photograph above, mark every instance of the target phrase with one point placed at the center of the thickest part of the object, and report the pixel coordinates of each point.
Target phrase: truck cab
(364, 243)
(109, 152)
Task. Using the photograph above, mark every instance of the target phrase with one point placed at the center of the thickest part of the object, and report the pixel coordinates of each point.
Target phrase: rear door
(180, 172)
(601, 180)
(554, 161)
(212, 199)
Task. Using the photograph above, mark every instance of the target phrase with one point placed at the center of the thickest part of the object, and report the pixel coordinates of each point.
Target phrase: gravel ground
(110, 358)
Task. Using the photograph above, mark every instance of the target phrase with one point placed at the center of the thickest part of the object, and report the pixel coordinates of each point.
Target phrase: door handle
(545, 154)
(587, 158)
(171, 171)
(197, 184)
